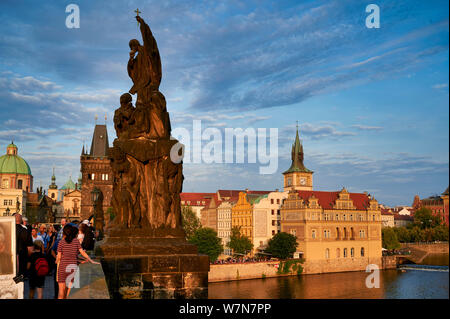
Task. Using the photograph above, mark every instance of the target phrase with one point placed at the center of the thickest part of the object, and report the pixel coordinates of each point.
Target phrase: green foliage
(110, 212)
(239, 243)
(282, 245)
(389, 237)
(207, 242)
(289, 266)
(418, 234)
(190, 221)
(424, 218)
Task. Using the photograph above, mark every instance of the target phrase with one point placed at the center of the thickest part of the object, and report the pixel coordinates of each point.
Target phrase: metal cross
(137, 14)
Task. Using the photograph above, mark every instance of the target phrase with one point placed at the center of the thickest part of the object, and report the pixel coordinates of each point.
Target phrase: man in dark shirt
(24, 244)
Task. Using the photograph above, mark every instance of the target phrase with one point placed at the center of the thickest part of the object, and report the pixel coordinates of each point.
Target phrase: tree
(403, 234)
(239, 243)
(190, 221)
(424, 218)
(389, 237)
(282, 245)
(207, 242)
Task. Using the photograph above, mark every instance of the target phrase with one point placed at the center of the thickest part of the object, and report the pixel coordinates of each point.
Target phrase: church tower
(96, 172)
(298, 177)
(53, 188)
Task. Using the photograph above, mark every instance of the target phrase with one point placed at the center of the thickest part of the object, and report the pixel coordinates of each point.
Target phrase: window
(338, 253)
(19, 184)
(352, 252)
(278, 200)
(327, 253)
(325, 217)
(271, 200)
(345, 217)
(5, 202)
(313, 234)
(337, 217)
(273, 212)
(5, 183)
(362, 233)
(273, 232)
(278, 212)
(351, 217)
(293, 232)
(93, 176)
(362, 251)
(345, 252)
(53, 195)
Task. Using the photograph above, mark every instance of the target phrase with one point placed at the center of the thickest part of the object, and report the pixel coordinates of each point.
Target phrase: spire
(53, 184)
(297, 156)
(82, 151)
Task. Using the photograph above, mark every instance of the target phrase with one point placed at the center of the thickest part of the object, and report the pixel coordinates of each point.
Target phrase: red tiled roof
(403, 217)
(193, 198)
(235, 193)
(327, 199)
(386, 211)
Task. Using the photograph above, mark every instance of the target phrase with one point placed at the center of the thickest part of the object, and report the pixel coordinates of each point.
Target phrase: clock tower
(298, 177)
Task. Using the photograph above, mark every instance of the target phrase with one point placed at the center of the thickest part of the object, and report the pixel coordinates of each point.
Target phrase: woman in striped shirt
(68, 249)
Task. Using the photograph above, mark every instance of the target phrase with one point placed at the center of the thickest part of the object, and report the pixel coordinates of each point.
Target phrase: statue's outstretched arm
(147, 36)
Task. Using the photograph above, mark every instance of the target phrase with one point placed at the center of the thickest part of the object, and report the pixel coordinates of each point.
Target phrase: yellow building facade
(242, 215)
(336, 231)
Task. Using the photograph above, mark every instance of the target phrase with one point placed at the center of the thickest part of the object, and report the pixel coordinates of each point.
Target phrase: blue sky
(372, 104)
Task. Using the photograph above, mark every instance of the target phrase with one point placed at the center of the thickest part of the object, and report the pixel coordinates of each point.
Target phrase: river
(394, 284)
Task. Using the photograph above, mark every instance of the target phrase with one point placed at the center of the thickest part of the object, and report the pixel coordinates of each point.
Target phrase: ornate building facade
(439, 205)
(266, 218)
(96, 172)
(336, 231)
(15, 182)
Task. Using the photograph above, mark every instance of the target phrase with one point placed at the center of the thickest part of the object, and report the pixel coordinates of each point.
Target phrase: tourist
(68, 249)
(25, 223)
(60, 232)
(24, 244)
(86, 237)
(35, 236)
(53, 253)
(52, 233)
(45, 237)
(37, 263)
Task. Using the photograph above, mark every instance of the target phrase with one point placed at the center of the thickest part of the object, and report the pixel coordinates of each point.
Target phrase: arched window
(338, 253)
(352, 252)
(313, 234)
(345, 252)
(362, 251)
(352, 233)
(327, 253)
(338, 235)
(19, 184)
(345, 233)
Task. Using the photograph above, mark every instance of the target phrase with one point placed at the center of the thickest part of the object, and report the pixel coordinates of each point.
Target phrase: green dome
(69, 184)
(13, 164)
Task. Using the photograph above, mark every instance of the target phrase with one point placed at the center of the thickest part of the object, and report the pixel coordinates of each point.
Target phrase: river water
(394, 284)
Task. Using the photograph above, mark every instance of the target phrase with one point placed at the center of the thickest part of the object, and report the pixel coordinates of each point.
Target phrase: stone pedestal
(137, 266)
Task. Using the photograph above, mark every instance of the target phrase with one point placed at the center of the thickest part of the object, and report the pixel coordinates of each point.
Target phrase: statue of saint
(144, 65)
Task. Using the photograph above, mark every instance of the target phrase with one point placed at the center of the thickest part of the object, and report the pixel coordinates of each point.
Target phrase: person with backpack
(38, 269)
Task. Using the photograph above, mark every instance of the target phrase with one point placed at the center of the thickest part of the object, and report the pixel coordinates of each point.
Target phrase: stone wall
(432, 248)
(339, 265)
(389, 262)
(229, 272)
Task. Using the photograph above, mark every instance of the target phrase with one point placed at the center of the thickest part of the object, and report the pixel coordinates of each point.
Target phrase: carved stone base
(139, 267)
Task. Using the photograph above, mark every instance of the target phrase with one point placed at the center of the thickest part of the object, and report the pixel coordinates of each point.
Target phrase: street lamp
(7, 211)
(96, 196)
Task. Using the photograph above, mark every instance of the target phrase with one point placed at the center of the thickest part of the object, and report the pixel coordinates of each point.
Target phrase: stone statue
(145, 253)
(146, 183)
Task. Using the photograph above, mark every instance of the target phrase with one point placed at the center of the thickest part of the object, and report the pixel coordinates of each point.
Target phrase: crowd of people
(51, 250)
(241, 260)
